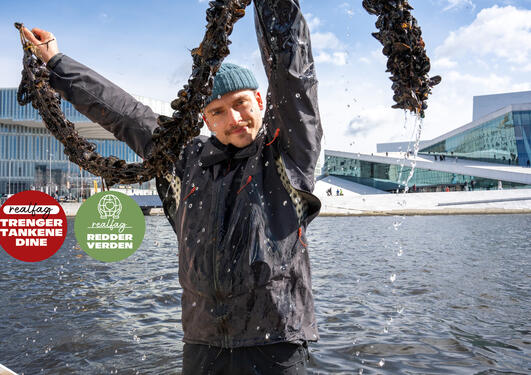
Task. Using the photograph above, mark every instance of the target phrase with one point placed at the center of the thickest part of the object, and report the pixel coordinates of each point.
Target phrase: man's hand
(44, 42)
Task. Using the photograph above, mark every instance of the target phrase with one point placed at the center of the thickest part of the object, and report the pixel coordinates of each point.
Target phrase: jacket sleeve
(104, 103)
(284, 40)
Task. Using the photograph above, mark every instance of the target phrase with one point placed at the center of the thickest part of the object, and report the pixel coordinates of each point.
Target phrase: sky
(479, 47)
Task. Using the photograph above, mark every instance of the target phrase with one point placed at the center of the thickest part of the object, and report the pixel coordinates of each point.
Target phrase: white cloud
(444, 63)
(378, 57)
(490, 83)
(503, 33)
(457, 4)
(347, 8)
(326, 40)
(328, 48)
(312, 21)
(369, 120)
(336, 58)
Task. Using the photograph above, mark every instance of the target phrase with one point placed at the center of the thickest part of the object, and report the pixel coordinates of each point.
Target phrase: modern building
(31, 158)
(491, 152)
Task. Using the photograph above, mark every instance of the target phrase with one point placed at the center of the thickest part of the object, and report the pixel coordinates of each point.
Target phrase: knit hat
(229, 78)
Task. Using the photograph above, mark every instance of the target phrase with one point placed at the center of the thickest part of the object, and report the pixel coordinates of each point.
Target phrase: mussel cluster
(407, 61)
(172, 134)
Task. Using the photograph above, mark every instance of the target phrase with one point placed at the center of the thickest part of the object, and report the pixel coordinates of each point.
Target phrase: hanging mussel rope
(173, 132)
(406, 56)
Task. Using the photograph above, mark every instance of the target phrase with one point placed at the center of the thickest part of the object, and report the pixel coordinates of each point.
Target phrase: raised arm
(285, 45)
(96, 97)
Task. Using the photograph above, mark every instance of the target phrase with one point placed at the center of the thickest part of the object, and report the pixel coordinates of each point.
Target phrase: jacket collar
(216, 152)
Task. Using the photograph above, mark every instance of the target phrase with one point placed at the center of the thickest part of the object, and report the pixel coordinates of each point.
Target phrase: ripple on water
(458, 303)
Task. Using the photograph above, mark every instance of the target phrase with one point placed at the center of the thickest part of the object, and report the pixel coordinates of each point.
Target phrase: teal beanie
(229, 78)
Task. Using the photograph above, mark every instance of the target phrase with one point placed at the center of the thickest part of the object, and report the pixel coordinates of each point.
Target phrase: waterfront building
(31, 158)
(491, 152)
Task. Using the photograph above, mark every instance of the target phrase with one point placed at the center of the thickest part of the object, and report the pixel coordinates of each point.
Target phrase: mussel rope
(407, 61)
(173, 132)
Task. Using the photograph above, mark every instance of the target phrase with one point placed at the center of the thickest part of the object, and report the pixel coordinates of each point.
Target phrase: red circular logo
(32, 226)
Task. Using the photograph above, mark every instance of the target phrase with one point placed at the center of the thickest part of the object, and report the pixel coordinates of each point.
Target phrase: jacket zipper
(217, 290)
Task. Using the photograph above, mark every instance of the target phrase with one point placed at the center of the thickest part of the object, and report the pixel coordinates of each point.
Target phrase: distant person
(341, 192)
(337, 192)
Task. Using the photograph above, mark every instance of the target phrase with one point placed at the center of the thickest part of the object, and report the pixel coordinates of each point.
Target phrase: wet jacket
(240, 215)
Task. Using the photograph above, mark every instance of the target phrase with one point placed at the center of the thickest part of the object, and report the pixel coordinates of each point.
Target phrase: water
(459, 302)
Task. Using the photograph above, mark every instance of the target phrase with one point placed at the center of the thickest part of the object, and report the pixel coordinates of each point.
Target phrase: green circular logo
(109, 226)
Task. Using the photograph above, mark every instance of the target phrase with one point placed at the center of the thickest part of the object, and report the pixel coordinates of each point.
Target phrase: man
(239, 201)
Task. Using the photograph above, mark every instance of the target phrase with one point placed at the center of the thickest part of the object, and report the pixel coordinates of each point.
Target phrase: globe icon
(109, 206)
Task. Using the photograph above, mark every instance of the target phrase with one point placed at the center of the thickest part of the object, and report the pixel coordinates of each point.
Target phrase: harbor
(422, 295)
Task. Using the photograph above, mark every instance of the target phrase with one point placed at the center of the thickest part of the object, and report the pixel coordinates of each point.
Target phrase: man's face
(236, 117)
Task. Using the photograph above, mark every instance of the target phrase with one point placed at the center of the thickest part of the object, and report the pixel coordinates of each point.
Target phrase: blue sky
(478, 46)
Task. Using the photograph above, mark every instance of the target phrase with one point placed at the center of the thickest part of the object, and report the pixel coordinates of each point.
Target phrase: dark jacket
(240, 215)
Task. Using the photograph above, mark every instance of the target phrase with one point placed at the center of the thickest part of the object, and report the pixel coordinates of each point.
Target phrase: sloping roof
(462, 166)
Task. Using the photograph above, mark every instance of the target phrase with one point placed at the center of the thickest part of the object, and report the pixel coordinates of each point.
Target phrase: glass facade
(31, 158)
(389, 177)
(505, 140)
(10, 109)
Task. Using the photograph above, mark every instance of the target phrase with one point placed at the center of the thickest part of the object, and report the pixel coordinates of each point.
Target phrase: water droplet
(258, 328)
(298, 96)
(357, 354)
(360, 371)
(399, 252)
(198, 241)
(194, 304)
(266, 163)
(393, 278)
(381, 363)
(267, 336)
(284, 203)
(144, 357)
(190, 205)
(203, 230)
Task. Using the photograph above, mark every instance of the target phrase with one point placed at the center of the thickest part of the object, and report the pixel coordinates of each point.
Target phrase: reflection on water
(440, 295)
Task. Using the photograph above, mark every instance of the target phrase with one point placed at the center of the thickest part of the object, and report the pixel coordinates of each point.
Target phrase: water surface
(438, 295)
